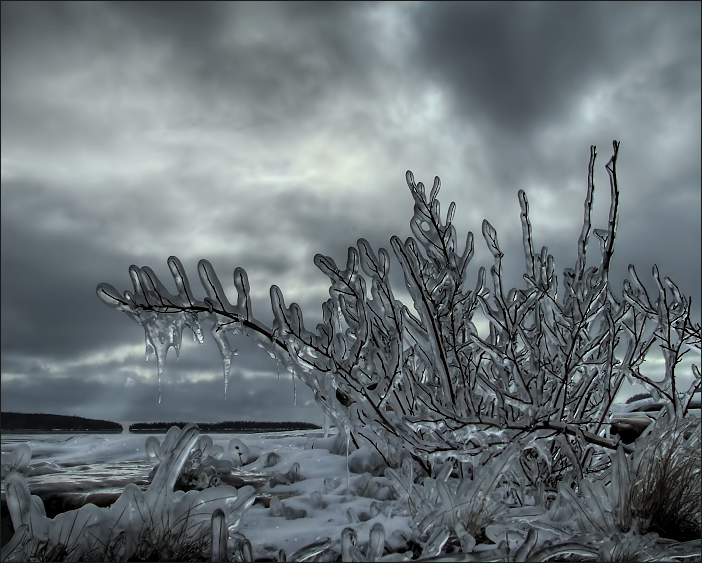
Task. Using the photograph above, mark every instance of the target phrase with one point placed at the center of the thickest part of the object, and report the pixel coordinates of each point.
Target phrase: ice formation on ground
(403, 513)
(135, 519)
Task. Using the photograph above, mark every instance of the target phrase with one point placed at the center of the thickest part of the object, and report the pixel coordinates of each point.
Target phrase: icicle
(348, 477)
(327, 423)
(227, 362)
(277, 366)
(160, 371)
(294, 389)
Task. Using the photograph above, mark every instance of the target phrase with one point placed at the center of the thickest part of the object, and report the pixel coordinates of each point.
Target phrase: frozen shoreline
(333, 492)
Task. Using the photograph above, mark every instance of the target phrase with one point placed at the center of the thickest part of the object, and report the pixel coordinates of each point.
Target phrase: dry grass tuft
(666, 496)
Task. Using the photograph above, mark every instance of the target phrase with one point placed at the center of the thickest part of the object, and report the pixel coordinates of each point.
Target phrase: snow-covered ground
(88, 459)
(303, 491)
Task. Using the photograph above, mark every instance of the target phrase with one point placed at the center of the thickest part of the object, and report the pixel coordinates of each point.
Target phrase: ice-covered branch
(424, 382)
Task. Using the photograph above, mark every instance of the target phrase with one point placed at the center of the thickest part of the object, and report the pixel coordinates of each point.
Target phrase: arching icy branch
(423, 381)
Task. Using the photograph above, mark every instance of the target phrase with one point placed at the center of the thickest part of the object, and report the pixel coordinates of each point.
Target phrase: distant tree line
(14, 421)
(228, 426)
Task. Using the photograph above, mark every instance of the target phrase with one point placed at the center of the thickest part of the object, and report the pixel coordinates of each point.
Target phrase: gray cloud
(258, 134)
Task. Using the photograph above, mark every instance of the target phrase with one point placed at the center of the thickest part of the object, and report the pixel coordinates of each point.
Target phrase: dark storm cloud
(48, 278)
(259, 134)
(279, 61)
(516, 69)
(518, 65)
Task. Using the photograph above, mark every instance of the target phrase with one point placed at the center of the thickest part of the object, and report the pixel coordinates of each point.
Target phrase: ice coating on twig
(407, 382)
(422, 382)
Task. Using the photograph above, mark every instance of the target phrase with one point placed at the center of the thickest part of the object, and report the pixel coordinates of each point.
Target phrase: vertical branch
(585, 233)
(613, 209)
(526, 233)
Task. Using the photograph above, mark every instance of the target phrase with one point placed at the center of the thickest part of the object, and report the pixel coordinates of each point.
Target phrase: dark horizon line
(129, 424)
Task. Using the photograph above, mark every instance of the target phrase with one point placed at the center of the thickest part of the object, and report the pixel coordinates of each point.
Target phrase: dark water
(106, 463)
(87, 462)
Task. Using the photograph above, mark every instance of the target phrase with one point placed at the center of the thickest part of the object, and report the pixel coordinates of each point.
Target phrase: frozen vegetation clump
(205, 465)
(19, 460)
(162, 522)
(495, 447)
(16, 460)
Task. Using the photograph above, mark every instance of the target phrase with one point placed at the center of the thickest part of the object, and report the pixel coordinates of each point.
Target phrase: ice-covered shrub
(657, 489)
(617, 547)
(461, 509)
(425, 382)
(419, 380)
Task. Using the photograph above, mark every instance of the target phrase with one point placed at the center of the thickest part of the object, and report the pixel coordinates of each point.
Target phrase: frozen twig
(430, 385)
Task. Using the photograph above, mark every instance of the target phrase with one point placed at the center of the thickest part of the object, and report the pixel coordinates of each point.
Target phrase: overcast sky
(259, 134)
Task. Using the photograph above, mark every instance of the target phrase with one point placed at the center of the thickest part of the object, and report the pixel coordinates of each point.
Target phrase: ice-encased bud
(376, 542)
(272, 458)
(170, 440)
(292, 476)
(348, 540)
(23, 508)
(239, 451)
(204, 476)
(16, 547)
(152, 446)
(294, 514)
(331, 483)
(109, 295)
(220, 535)
(174, 457)
(205, 445)
(352, 517)
(241, 548)
(318, 500)
(276, 507)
